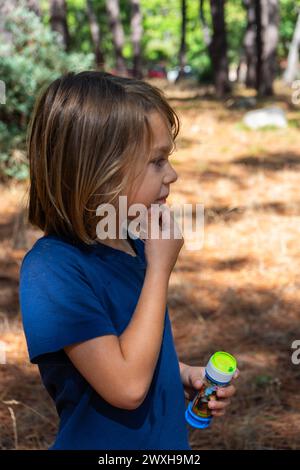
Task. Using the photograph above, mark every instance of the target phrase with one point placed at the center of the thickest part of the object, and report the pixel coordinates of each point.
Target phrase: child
(94, 311)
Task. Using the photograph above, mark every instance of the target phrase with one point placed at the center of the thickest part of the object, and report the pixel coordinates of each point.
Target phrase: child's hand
(192, 379)
(161, 253)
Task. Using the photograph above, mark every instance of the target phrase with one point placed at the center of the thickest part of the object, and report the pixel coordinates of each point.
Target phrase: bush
(34, 58)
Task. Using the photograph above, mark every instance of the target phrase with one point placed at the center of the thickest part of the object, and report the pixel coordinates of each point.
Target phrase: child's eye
(159, 162)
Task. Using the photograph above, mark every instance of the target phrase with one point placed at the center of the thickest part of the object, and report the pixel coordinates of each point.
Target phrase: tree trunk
(250, 45)
(293, 57)
(266, 74)
(96, 35)
(204, 25)
(182, 50)
(260, 44)
(136, 36)
(218, 48)
(116, 27)
(58, 20)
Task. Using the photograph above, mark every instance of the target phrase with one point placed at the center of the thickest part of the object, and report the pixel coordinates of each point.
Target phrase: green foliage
(161, 25)
(288, 17)
(236, 22)
(36, 56)
(33, 59)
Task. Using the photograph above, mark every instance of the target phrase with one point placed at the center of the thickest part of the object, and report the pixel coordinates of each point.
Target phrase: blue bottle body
(198, 413)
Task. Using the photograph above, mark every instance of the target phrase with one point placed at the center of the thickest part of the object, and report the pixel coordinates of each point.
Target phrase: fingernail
(198, 383)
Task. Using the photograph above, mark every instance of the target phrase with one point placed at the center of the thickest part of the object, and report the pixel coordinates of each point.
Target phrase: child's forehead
(162, 134)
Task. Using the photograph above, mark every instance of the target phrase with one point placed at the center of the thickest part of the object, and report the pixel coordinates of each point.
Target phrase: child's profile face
(155, 180)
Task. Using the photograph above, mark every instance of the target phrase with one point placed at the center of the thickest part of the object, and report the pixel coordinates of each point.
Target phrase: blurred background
(231, 71)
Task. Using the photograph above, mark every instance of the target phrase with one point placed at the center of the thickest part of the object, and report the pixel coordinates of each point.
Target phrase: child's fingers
(236, 374)
(226, 392)
(146, 229)
(218, 413)
(169, 223)
(218, 404)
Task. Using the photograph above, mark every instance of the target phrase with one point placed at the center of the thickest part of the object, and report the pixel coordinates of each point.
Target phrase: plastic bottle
(218, 373)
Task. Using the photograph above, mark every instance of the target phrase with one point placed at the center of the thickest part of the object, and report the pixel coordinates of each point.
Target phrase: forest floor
(240, 292)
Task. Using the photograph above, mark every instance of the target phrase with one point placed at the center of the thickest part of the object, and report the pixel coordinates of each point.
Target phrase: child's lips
(162, 200)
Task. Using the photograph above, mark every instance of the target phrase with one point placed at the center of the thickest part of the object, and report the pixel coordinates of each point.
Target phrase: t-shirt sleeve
(58, 305)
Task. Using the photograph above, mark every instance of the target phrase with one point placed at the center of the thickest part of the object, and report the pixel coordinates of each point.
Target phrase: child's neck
(120, 244)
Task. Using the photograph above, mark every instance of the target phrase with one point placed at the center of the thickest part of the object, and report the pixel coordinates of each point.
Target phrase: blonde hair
(84, 144)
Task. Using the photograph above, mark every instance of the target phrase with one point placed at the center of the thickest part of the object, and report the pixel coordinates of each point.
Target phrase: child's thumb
(197, 379)
(198, 383)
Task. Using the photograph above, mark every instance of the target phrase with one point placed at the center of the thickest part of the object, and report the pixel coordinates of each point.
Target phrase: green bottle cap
(221, 367)
(224, 362)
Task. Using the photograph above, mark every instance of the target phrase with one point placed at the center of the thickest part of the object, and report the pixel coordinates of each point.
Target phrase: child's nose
(171, 175)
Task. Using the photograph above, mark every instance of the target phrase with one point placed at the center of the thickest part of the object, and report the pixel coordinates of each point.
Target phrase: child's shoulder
(51, 249)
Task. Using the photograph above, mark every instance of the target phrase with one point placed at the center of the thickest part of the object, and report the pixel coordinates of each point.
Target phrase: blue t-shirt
(71, 292)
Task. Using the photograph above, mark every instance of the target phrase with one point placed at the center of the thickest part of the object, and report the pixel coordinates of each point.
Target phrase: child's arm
(141, 341)
(121, 368)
